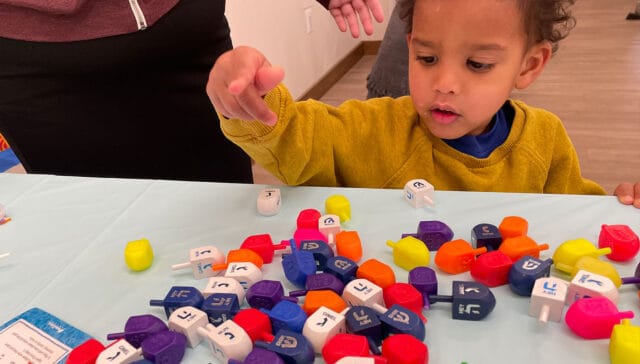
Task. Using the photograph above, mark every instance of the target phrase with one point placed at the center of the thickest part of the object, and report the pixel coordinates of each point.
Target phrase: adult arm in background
(347, 12)
(628, 193)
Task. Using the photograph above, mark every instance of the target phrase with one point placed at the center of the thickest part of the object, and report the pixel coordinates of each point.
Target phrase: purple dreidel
(486, 235)
(472, 301)
(291, 346)
(320, 281)
(259, 356)
(321, 252)
(179, 296)
(298, 265)
(220, 307)
(343, 268)
(266, 293)
(424, 279)
(433, 233)
(164, 347)
(137, 328)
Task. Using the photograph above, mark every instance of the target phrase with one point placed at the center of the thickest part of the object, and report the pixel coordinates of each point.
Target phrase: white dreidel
(322, 325)
(246, 273)
(269, 201)
(419, 193)
(329, 226)
(201, 261)
(120, 352)
(587, 284)
(224, 285)
(227, 341)
(186, 321)
(547, 299)
(363, 292)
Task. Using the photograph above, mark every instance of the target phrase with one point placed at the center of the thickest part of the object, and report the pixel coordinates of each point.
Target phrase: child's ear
(534, 62)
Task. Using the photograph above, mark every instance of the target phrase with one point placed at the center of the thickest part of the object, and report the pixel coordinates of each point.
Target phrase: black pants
(124, 106)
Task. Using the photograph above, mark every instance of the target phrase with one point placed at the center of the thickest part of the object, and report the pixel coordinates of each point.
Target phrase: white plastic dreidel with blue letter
(269, 201)
(419, 193)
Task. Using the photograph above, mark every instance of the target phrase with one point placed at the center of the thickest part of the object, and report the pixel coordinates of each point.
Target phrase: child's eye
(479, 67)
(428, 60)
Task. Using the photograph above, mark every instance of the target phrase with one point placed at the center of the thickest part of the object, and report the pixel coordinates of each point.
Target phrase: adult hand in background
(628, 193)
(347, 12)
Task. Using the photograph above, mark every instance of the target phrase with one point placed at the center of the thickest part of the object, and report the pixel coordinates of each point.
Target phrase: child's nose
(446, 80)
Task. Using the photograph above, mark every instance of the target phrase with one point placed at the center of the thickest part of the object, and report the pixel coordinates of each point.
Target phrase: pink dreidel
(624, 243)
(594, 317)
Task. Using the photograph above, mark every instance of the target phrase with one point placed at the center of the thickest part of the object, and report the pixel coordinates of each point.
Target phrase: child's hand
(351, 10)
(237, 82)
(628, 193)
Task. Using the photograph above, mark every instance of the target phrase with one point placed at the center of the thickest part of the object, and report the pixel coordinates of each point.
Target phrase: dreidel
(419, 193)
(227, 341)
(377, 272)
(246, 273)
(471, 300)
(409, 253)
(329, 226)
(291, 346)
(259, 356)
(547, 299)
(224, 285)
(201, 261)
(338, 205)
(520, 246)
(264, 246)
(362, 292)
(457, 256)
(492, 268)
(343, 345)
(603, 268)
(266, 293)
(322, 325)
(308, 219)
(348, 244)
(567, 253)
(486, 235)
(524, 273)
(594, 317)
(405, 349)
(164, 347)
(119, 352)
(186, 321)
(343, 268)
(220, 307)
(512, 226)
(406, 295)
(138, 327)
(401, 320)
(320, 281)
(321, 252)
(269, 201)
(364, 321)
(432, 233)
(624, 243)
(240, 255)
(587, 284)
(624, 346)
(179, 296)
(255, 323)
(298, 265)
(327, 298)
(85, 353)
(424, 279)
(138, 255)
(286, 315)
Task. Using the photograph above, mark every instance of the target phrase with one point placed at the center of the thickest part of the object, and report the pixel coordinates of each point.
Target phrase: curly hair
(544, 20)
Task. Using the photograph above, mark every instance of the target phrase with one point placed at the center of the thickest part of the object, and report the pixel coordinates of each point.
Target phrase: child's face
(465, 57)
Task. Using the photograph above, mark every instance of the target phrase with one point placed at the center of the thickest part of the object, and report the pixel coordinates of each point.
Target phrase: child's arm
(628, 193)
(237, 82)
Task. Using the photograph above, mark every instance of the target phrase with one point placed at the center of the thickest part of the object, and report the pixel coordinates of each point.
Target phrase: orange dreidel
(409, 253)
(348, 245)
(567, 254)
(240, 255)
(324, 297)
(377, 272)
(520, 246)
(512, 226)
(457, 256)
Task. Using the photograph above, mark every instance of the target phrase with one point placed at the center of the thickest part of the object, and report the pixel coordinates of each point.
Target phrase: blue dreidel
(320, 281)
(472, 301)
(266, 293)
(220, 307)
(424, 279)
(259, 356)
(290, 346)
(137, 328)
(524, 273)
(321, 252)
(164, 347)
(179, 296)
(433, 233)
(286, 315)
(343, 268)
(364, 321)
(401, 320)
(486, 235)
(298, 265)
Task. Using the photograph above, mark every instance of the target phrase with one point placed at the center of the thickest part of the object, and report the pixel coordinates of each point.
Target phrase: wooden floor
(592, 84)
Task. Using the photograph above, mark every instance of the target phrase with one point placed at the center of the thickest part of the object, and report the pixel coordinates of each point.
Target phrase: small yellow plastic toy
(624, 347)
(597, 266)
(338, 205)
(567, 254)
(409, 253)
(138, 255)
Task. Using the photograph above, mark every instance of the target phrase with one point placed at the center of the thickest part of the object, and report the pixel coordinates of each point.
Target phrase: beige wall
(278, 29)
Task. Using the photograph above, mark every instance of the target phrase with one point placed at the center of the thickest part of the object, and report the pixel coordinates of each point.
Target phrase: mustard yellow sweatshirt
(380, 143)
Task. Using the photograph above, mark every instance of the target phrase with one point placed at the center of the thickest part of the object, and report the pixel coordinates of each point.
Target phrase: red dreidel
(457, 256)
(567, 253)
(348, 245)
(227, 341)
(362, 360)
(406, 295)
(587, 284)
(409, 253)
(186, 321)
(512, 226)
(255, 323)
(327, 298)
(594, 317)
(322, 325)
(201, 260)
(405, 349)
(263, 246)
(137, 328)
(120, 352)
(520, 246)
(164, 347)
(307, 227)
(624, 346)
(624, 243)
(376, 272)
(342, 345)
(472, 301)
(547, 299)
(85, 353)
(492, 268)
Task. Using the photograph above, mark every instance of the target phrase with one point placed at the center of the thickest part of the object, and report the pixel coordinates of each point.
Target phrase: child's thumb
(267, 78)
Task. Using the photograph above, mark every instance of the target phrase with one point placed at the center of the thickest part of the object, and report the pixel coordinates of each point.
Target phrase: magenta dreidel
(594, 317)
(329, 226)
(320, 281)
(264, 246)
(246, 273)
(322, 325)
(186, 321)
(137, 328)
(220, 307)
(269, 201)
(266, 294)
(419, 193)
(120, 352)
(224, 285)
(227, 341)
(164, 347)
(424, 279)
(587, 284)
(624, 243)
(179, 296)
(201, 260)
(624, 347)
(547, 299)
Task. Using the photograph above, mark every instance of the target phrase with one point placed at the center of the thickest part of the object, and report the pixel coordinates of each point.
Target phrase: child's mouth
(443, 116)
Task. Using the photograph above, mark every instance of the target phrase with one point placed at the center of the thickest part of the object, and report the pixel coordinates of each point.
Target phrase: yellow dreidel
(603, 268)
(138, 254)
(338, 205)
(409, 253)
(624, 347)
(567, 254)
